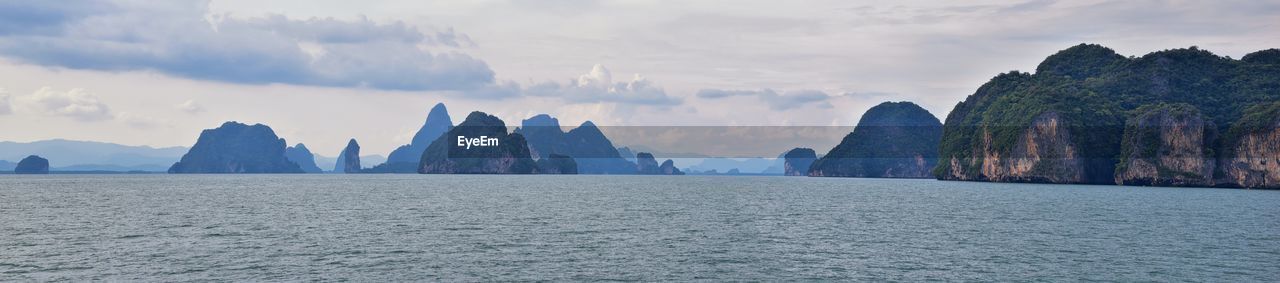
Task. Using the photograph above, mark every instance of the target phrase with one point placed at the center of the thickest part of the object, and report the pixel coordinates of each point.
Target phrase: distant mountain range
(69, 155)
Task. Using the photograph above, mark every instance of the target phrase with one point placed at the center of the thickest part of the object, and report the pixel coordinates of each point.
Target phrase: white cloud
(190, 106)
(75, 103)
(598, 86)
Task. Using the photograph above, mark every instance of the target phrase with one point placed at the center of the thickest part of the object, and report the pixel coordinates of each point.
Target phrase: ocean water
(625, 228)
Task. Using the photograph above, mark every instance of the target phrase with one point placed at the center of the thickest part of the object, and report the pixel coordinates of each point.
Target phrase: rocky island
(797, 161)
(589, 147)
(892, 140)
(32, 165)
(348, 159)
(302, 156)
(236, 148)
(404, 159)
(448, 154)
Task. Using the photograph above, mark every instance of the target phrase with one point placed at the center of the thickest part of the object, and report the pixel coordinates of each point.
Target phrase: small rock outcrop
(236, 148)
(303, 157)
(349, 159)
(1166, 145)
(669, 168)
(646, 164)
(32, 165)
(557, 164)
(405, 158)
(892, 140)
(797, 161)
(478, 145)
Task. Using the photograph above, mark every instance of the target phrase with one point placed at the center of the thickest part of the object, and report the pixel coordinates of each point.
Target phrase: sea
(624, 228)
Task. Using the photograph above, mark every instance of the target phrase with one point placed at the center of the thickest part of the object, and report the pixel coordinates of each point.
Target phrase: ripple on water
(624, 228)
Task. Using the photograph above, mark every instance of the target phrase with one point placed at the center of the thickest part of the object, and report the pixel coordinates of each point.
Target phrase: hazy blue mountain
(5, 165)
(437, 123)
(302, 156)
(627, 154)
(589, 147)
(110, 168)
(779, 165)
(63, 153)
(236, 148)
(750, 165)
(32, 165)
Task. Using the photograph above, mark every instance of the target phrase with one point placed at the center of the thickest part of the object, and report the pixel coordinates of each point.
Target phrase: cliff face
(302, 156)
(1256, 163)
(349, 159)
(236, 148)
(486, 148)
(1044, 153)
(798, 160)
(1253, 150)
(1166, 146)
(32, 165)
(404, 159)
(892, 140)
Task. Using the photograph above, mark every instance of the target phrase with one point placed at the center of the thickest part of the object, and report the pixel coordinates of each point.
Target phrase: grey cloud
(330, 30)
(175, 38)
(45, 17)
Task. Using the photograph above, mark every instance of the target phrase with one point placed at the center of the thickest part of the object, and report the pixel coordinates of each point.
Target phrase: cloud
(6, 103)
(776, 101)
(191, 107)
(599, 86)
(182, 38)
(75, 103)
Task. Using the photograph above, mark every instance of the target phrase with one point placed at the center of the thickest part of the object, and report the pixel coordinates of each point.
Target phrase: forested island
(1179, 117)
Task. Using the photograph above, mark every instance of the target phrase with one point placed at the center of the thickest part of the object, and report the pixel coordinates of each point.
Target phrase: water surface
(642, 228)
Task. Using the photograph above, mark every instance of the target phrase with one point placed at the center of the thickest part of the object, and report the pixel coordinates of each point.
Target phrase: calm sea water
(643, 228)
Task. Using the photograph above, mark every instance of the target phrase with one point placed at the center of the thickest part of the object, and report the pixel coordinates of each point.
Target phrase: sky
(322, 72)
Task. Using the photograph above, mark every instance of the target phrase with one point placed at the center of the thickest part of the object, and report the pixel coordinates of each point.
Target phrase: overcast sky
(320, 72)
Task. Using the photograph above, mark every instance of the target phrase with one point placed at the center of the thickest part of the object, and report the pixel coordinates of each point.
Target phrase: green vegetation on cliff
(1094, 91)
